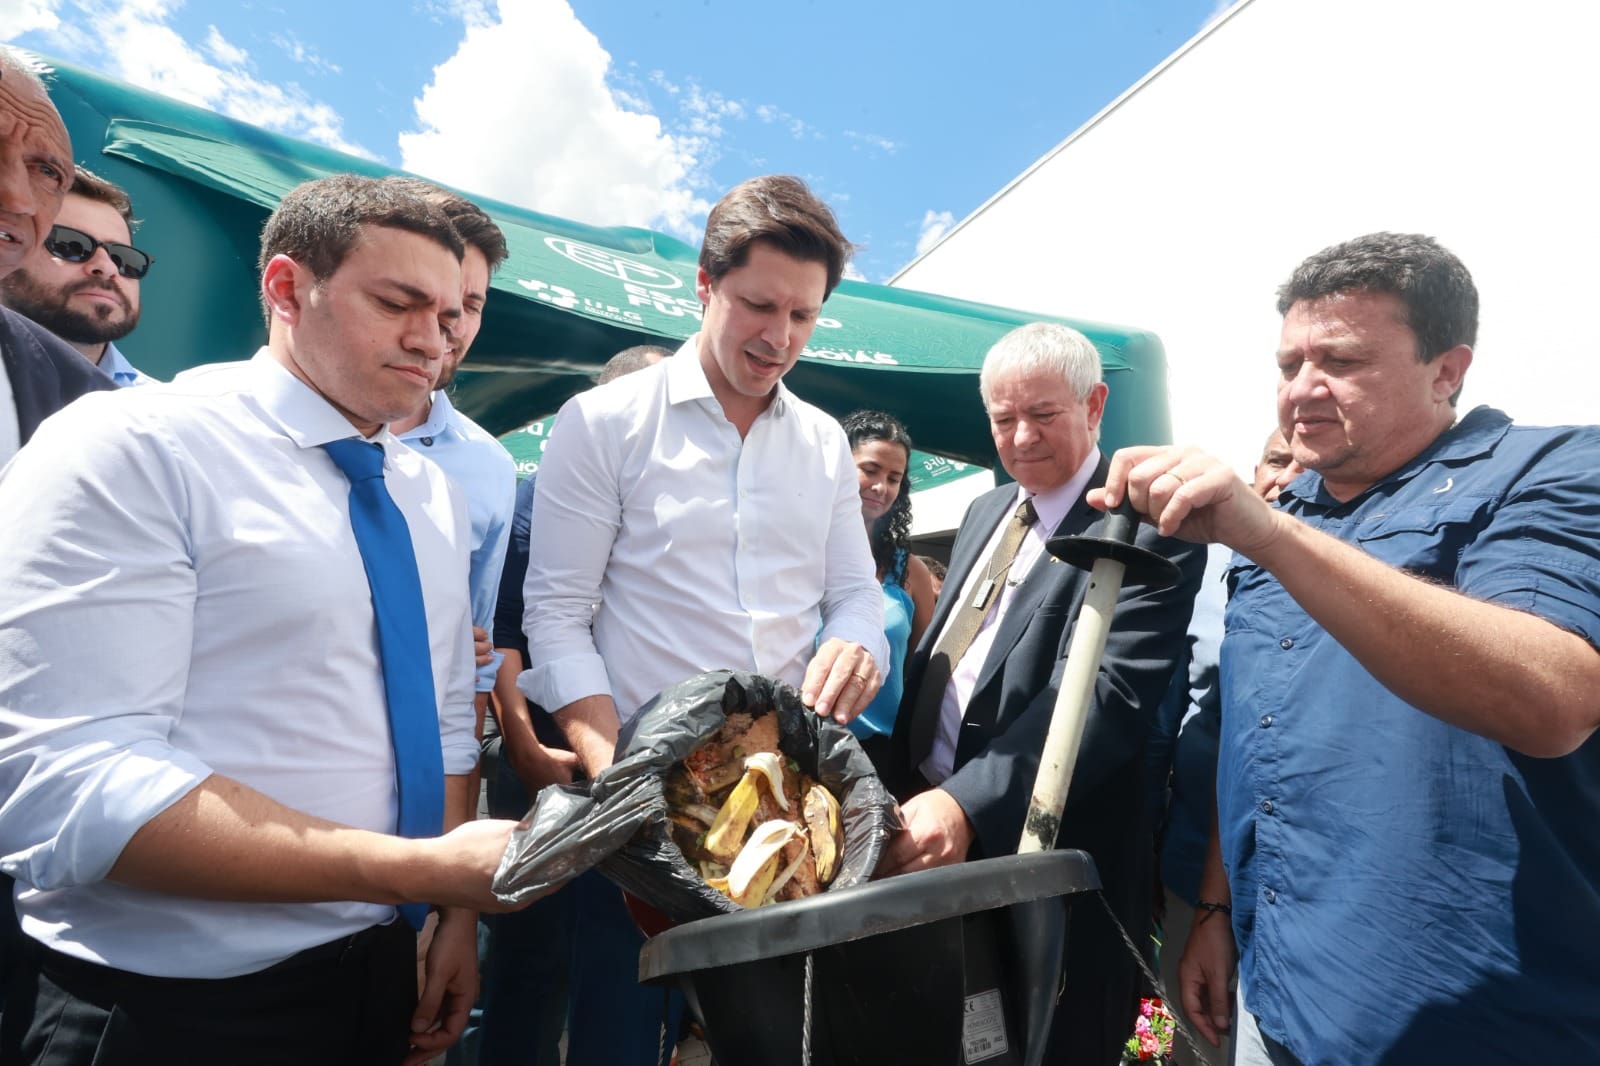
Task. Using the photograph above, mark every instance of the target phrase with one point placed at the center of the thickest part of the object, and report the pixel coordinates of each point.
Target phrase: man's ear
(284, 284)
(1450, 372)
(702, 286)
(1095, 404)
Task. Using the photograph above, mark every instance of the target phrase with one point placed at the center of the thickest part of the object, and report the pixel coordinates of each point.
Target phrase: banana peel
(755, 868)
(822, 823)
(726, 834)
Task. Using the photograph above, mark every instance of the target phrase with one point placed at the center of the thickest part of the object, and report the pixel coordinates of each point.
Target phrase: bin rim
(876, 907)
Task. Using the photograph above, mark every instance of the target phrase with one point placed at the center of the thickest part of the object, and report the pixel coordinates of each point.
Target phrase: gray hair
(14, 61)
(1043, 347)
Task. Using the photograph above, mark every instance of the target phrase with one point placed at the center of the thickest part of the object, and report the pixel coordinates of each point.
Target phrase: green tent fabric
(568, 298)
(925, 470)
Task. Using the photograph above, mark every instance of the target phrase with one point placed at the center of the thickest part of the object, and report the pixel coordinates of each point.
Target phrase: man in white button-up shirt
(713, 517)
(197, 779)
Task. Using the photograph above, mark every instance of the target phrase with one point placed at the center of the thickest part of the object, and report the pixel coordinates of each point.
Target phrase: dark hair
(91, 186)
(781, 211)
(472, 222)
(630, 359)
(892, 530)
(935, 567)
(318, 223)
(1440, 299)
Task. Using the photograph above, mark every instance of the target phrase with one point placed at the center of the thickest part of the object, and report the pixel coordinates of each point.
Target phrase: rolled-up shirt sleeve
(97, 589)
(577, 513)
(852, 603)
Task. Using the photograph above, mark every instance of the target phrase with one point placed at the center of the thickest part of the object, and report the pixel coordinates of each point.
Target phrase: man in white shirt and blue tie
(235, 658)
(713, 516)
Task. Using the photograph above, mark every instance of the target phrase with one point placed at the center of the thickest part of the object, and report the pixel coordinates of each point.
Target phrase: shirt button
(1266, 806)
(1270, 896)
(427, 442)
(1266, 721)
(1285, 643)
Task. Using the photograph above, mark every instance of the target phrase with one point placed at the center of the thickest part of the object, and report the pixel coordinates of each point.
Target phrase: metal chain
(1155, 982)
(805, 1027)
(666, 1015)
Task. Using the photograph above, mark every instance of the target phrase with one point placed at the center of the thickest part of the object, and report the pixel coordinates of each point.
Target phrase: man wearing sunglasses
(82, 282)
(41, 374)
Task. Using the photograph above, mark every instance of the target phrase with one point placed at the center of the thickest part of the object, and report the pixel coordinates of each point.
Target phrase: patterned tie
(961, 632)
(391, 565)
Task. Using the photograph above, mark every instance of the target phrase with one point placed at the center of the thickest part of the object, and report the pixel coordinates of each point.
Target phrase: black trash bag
(618, 821)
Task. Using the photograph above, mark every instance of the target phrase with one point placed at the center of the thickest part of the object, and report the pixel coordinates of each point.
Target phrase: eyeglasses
(76, 246)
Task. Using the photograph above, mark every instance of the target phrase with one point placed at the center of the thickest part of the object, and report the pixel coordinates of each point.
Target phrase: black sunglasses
(76, 246)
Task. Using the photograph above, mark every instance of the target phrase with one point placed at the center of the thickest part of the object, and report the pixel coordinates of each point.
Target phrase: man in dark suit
(42, 374)
(981, 687)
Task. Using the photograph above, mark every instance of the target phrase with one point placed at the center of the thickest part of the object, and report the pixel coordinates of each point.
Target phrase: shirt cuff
(460, 753)
(555, 684)
(137, 788)
(487, 674)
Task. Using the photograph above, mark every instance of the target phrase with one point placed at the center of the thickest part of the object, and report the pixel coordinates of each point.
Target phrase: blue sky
(905, 116)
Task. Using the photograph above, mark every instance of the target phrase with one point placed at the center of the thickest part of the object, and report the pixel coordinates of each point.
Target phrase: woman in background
(882, 451)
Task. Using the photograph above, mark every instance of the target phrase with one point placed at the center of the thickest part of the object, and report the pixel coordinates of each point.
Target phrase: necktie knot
(359, 459)
(1025, 512)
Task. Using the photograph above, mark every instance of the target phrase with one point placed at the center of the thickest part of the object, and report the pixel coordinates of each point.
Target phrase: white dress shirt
(181, 594)
(10, 428)
(1050, 507)
(487, 475)
(702, 551)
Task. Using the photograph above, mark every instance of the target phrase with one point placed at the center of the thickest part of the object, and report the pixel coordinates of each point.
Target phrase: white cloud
(218, 48)
(304, 55)
(873, 140)
(935, 224)
(574, 146)
(853, 272)
(132, 41)
(24, 16)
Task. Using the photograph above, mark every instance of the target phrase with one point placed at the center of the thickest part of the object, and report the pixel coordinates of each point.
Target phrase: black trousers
(347, 1003)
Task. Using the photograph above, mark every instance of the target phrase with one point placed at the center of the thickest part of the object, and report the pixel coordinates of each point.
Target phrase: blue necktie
(391, 564)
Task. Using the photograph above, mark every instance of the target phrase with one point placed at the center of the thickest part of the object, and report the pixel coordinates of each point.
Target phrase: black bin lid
(830, 918)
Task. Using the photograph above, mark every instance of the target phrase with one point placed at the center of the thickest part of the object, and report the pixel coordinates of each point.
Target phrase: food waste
(758, 830)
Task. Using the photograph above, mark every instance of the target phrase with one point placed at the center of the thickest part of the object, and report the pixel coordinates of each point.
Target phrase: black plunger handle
(1116, 540)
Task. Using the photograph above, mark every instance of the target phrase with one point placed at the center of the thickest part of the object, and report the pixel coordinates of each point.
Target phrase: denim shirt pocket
(1424, 538)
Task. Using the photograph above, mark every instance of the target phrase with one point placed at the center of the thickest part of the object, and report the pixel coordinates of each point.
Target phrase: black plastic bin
(955, 965)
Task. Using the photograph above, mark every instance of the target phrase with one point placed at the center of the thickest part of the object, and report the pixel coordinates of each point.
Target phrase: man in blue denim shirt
(1409, 778)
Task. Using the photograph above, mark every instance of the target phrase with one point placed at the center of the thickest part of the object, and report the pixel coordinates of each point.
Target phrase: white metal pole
(1071, 712)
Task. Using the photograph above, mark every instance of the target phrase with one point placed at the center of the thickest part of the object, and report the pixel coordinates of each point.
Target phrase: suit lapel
(986, 515)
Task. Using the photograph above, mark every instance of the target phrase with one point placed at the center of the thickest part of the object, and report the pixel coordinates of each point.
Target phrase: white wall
(1293, 124)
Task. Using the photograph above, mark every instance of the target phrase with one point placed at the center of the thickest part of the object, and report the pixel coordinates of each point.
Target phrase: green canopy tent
(568, 298)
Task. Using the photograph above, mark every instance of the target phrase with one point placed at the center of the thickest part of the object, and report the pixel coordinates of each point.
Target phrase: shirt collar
(686, 380)
(304, 416)
(1052, 506)
(114, 363)
(438, 420)
(1473, 437)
